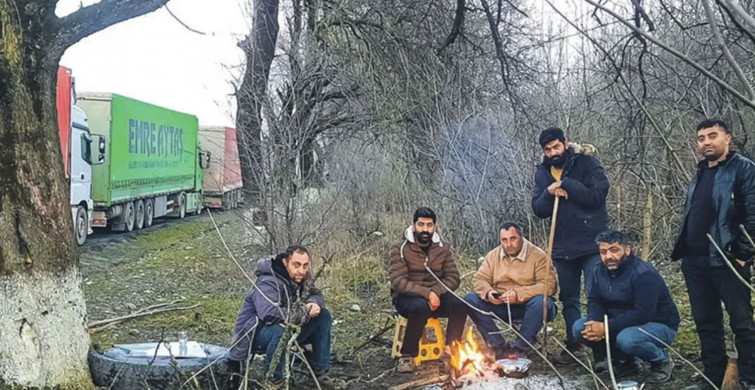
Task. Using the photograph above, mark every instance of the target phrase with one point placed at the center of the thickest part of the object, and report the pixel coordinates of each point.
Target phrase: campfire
(465, 357)
(467, 363)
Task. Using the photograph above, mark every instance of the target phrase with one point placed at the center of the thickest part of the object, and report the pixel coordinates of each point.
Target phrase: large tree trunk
(43, 337)
(259, 49)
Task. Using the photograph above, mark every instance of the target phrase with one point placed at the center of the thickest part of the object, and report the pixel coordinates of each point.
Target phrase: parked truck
(152, 162)
(76, 147)
(222, 180)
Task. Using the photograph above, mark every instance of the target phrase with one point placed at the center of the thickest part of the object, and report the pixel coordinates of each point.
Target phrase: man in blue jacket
(283, 293)
(640, 312)
(571, 173)
(720, 199)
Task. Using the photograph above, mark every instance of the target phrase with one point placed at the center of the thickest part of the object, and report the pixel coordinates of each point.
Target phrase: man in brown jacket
(416, 293)
(512, 279)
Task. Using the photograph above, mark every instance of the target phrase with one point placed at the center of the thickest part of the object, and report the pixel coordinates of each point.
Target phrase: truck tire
(149, 212)
(80, 226)
(139, 222)
(129, 216)
(182, 206)
(114, 369)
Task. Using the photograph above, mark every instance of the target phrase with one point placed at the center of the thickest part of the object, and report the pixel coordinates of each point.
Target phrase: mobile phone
(496, 295)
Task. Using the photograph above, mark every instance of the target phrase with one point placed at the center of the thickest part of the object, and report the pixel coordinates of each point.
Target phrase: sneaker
(660, 372)
(503, 351)
(405, 364)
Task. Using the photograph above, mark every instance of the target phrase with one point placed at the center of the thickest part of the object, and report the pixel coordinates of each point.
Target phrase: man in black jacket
(639, 307)
(720, 198)
(571, 173)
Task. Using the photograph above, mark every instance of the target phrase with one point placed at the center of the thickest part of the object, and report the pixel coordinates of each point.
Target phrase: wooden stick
(373, 337)
(549, 265)
(608, 352)
(420, 382)
(137, 315)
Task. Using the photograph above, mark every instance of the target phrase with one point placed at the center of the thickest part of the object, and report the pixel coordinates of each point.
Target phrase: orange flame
(466, 357)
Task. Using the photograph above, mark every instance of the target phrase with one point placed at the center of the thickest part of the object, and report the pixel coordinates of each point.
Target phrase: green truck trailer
(152, 162)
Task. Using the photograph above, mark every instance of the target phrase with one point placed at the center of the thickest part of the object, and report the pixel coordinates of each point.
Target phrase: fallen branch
(421, 382)
(373, 337)
(99, 324)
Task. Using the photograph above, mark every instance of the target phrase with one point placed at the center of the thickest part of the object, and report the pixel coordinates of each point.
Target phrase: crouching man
(635, 298)
(284, 294)
(512, 280)
(417, 293)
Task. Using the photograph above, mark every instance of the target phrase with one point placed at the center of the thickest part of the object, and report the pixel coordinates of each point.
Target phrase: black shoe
(600, 366)
(625, 369)
(565, 359)
(503, 351)
(660, 372)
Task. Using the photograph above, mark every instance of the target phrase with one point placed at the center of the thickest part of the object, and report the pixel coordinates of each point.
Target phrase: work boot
(405, 364)
(564, 359)
(660, 372)
(503, 351)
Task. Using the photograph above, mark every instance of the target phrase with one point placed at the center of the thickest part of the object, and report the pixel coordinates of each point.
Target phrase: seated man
(417, 294)
(512, 279)
(634, 296)
(284, 293)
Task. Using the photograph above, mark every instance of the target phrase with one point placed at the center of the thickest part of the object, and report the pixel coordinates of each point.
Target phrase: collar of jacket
(704, 163)
(409, 241)
(521, 256)
(624, 266)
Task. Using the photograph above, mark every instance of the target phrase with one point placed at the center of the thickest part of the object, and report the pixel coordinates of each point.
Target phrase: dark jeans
(416, 310)
(316, 332)
(707, 288)
(630, 341)
(570, 281)
(530, 312)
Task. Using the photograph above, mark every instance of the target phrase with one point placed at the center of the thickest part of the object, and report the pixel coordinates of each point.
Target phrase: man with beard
(570, 173)
(720, 199)
(512, 281)
(417, 294)
(638, 304)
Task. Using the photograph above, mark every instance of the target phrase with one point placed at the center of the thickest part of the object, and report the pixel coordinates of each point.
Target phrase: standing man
(573, 175)
(720, 198)
(417, 294)
(512, 280)
(638, 304)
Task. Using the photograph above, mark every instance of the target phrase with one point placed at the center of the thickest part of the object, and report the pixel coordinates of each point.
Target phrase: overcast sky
(155, 59)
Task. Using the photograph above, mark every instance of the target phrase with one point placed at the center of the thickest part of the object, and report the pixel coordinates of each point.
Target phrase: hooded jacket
(274, 300)
(407, 271)
(582, 216)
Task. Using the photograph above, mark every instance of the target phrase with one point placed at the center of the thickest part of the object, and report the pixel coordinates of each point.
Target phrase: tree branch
(96, 17)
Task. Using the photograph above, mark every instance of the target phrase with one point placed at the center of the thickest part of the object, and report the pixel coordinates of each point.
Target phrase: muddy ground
(187, 261)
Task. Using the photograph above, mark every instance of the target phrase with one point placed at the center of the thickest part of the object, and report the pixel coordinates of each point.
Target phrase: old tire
(129, 216)
(139, 223)
(81, 225)
(114, 369)
(149, 212)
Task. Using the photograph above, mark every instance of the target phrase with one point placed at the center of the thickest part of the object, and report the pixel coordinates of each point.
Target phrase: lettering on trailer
(152, 139)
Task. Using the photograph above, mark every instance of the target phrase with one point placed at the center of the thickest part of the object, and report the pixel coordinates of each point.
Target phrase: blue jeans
(630, 341)
(316, 332)
(570, 281)
(530, 312)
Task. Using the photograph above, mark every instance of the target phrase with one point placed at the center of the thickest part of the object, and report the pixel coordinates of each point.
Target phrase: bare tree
(43, 340)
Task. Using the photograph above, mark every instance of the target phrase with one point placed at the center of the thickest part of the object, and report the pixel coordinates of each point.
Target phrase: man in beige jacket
(512, 280)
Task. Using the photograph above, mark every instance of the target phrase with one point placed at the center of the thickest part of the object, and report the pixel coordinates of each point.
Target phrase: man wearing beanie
(571, 173)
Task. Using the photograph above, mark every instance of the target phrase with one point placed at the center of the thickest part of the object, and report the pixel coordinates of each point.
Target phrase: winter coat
(734, 203)
(274, 299)
(407, 272)
(526, 277)
(582, 216)
(632, 295)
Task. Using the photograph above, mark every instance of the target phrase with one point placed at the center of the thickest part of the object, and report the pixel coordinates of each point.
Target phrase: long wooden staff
(549, 265)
